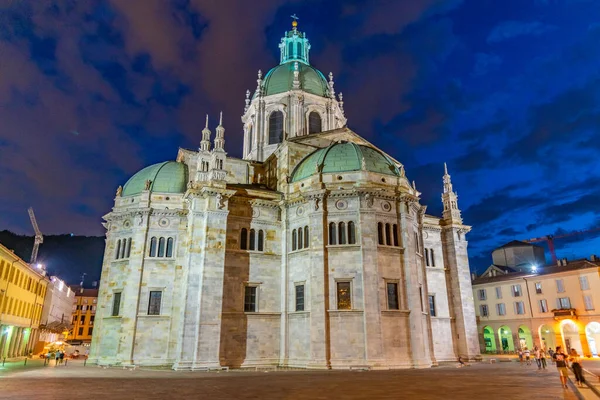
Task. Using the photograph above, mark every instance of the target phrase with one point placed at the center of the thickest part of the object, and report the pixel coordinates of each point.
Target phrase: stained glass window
(252, 240)
(342, 231)
(153, 247)
(351, 233)
(432, 305)
(275, 127)
(299, 297)
(116, 304)
(392, 296)
(250, 299)
(261, 240)
(306, 236)
(344, 297)
(244, 239)
(161, 247)
(154, 303)
(314, 122)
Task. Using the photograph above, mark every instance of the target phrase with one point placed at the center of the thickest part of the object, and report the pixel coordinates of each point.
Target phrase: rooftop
(547, 270)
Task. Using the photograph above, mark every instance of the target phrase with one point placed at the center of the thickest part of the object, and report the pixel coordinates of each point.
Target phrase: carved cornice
(264, 203)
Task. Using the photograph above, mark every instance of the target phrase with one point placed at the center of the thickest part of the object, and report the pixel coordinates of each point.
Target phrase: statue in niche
(316, 204)
(369, 200)
(119, 191)
(220, 201)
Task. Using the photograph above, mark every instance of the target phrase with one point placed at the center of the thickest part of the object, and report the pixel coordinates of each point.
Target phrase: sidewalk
(19, 364)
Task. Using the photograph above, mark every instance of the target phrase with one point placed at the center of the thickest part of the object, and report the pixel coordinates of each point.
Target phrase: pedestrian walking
(537, 353)
(561, 364)
(551, 354)
(576, 366)
(520, 357)
(543, 358)
(62, 357)
(527, 355)
(56, 357)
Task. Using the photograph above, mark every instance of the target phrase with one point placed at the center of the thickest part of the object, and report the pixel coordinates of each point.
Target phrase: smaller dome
(344, 157)
(281, 79)
(166, 177)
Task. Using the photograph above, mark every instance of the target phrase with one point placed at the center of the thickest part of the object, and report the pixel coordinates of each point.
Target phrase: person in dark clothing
(561, 364)
(576, 366)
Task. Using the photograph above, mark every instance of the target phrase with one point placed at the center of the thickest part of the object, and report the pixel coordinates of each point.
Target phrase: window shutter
(558, 304)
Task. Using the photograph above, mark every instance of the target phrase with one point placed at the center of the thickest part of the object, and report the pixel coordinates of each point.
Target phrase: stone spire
(220, 135)
(331, 89)
(205, 143)
(450, 200)
(247, 101)
(258, 91)
(341, 102)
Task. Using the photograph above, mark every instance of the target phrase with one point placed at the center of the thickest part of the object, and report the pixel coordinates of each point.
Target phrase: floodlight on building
(533, 268)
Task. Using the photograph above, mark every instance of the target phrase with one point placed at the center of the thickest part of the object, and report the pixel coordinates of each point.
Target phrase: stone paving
(487, 381)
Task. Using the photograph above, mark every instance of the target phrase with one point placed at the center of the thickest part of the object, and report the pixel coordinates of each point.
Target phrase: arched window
(123, 248)
(432, 257)
(252, 239)
(128, 252)
(244, 239)
(351, 233)
(314, 122)
(342, 233)
(395, 233)
(332, 239)
(380, 233)
(161, 247)
(118, 252)
(300, 244)
(388, 235)
(426, 257)
(170, 247)
(261, 240)
(306, 236)
(153, 247)
(275, 127)
(294, 238)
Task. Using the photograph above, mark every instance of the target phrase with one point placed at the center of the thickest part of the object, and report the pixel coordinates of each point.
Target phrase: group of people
(559, 358)
(58, 356)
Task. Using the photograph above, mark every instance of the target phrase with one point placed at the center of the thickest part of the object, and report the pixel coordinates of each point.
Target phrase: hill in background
(65, 256)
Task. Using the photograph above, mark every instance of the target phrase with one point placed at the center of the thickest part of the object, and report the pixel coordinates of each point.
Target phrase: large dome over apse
(281, 78)
(165, 177)
(344, 157)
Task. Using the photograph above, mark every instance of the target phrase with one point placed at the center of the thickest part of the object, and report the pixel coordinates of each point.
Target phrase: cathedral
(311, 251)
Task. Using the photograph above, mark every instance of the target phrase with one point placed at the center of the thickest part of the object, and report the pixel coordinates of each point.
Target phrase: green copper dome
(344, 157)
(166, 177)
(281, 79)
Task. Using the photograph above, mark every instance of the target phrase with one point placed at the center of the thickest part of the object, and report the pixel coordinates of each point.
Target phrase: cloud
(513, 29)
(484, 62)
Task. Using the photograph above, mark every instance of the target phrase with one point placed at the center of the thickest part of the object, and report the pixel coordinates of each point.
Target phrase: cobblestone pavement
(507, 381)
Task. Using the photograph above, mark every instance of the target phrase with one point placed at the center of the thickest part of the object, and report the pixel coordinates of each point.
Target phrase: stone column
(460, 290)
(419, 343)
(374, 351)
(207, 227)
(585, 348)
(319, 286)
(283, 335)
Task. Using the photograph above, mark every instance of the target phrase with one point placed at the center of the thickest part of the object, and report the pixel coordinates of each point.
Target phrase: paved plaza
(490, 381)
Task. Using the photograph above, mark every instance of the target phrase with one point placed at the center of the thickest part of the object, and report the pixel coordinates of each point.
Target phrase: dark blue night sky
(506, 92)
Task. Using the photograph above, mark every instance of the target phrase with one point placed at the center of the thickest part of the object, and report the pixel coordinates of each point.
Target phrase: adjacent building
(83, 315)
(56, 314)
(22, 291)
(312, 251)
(556, 305)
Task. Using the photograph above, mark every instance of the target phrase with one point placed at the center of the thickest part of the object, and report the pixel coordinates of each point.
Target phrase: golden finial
(295, 20)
